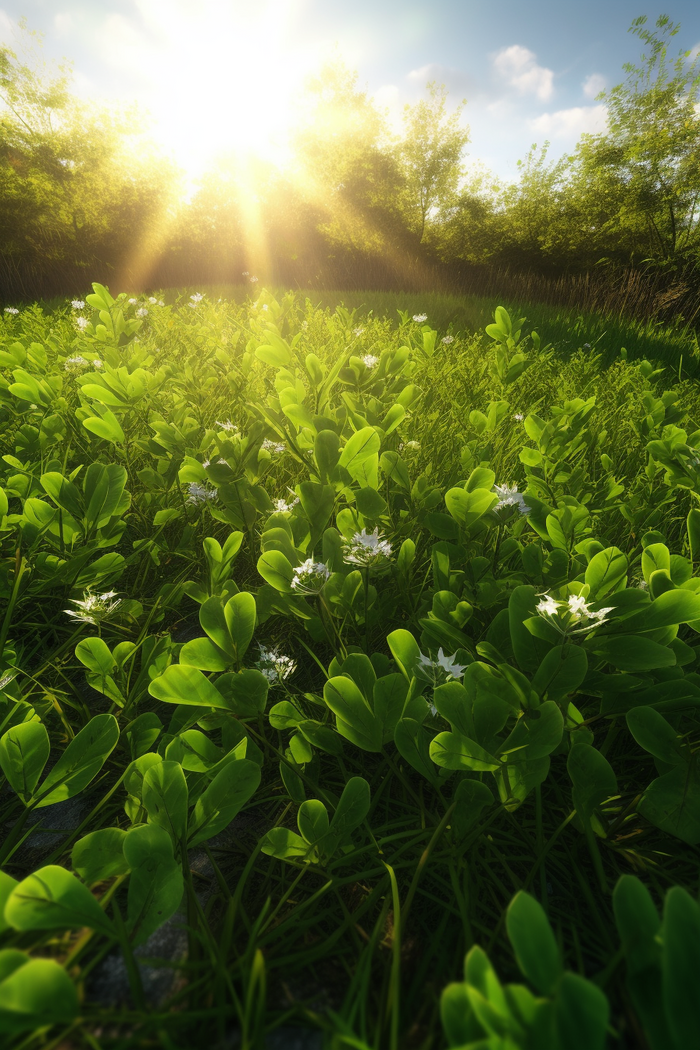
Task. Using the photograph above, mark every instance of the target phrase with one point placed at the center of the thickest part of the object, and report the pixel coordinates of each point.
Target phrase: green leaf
(638, 923)
(283, 843)
(652, 732)
(180, 684)
(471, 796)
(630, 653)
(581, 1014)
(52, 899)
(592, 777)
(312, 820)
(105, 426)
(94, 654)
(81, 761)
(672, 803)
(34, 994)
(223, 799)
(165, 798)
(355, 719)
(7, 884)
(561, 672)
(529, 651)
(681, 966)
(605, 571)
(360, 457)
(240, 613)
(534, 943)
(352, 808)
(276, 570)
(405, 650)
(244, 692)
(455, 751)
(155, 884)
(468, 507)
(24, 751)
(100, 855)
(413, 742)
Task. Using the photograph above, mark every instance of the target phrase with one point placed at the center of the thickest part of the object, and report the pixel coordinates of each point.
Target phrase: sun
(223, 82)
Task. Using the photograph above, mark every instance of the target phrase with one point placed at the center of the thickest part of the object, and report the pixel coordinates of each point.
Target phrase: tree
(430, 156)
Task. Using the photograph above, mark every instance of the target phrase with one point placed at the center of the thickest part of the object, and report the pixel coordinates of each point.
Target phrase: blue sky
(212, 72)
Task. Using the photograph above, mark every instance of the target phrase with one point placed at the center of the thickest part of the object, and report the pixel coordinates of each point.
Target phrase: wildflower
(78, 304)
(245, 273)
(444, 669)
(586, 346)
(142, 312)
(413, 445)
(518, 417)
(74, 364)
(304, 325)
(447, 339)
(265, 306)
(93, 608)
(642, 585)
(370, 361)
(11, 310)
(199, 493)
(419, 318)
(575, 610)
(97, 363)
(275, 666)
(508, 496)
(153, 301)
(132, 302)
(82, 323)
(548, 606)
(253, 280)
(273, 446)
(367, 548)
(310, 576)
(357, 332)
(227, 425)
(281, 506)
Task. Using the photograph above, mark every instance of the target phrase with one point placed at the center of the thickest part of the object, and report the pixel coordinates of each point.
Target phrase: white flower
(413, 445)
(548, 606)
(310, 576)
(97, 363)
(586, 346)
(82, 323)
(245, 273)
(78, 304)
(281, 506)
(600, 614)
(578, 607)
(226, 425)
(444, 669)
(142, 312)
(642, 585)
(74, 364)
(153, 301)
(419, 318)
(370, 361)
(199, 493)
(366, 548)
(253, 280)
(93, 608)
(273, 446)
(304, 325)
(518, 417)
(357, 332)
(265, 306)
(132, 302)
(11, 310)
(447, 339)
(275, 666)
(508, 496)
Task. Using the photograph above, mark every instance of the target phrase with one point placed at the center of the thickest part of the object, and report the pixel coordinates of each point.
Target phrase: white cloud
(694, 53)
(7, 30)
(456, 81)
(570, 123)
(519, 68)
(593, 85)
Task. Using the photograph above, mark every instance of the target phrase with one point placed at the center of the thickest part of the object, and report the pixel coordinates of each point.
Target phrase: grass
(359, 943)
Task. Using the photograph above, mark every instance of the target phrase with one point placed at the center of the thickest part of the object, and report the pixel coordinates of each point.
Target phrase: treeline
(83, 198)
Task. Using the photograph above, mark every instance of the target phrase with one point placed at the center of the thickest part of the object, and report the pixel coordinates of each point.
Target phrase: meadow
(348, 685)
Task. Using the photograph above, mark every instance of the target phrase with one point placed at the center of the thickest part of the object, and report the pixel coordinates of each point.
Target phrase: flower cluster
(78, 304)
(412, 445)
(273, 446)
(508, 496)
(275, 666)
(74, 364)
(310, 577)
(419, 318)
(155, 302)
(226, 425)
(196, 298)
(447, 339)
(142, 312)
(367, 548)
(82, 323)
(572, 616)
(11, 310)
(93, 608)
(518, 417)
(200, 493)
(357, 332)
(370, 361)
(281, 506)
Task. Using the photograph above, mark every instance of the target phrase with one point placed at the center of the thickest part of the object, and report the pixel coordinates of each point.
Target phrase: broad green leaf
(405, 650)
(561, 672)
(282, 843)
(652, 732)
(455, 751)
(534, 943)
(672, 803)
(468, 507)
(605, 571)
(24, 751)
(312, 820)
(628, 652)
(276, 570)
(155, 884)
(100, 855)
(165, 798)
(355, 719)
(245, 692)
(413, 744)
(34, 994)
(360, 457)
(593, 778)
(223, 799)
(94, 654)
(52, 899)
(81, 761)
(7, 884)
(681, 965)
(581, 1014)
(180, 684)
(240, 613)
(471, 796)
